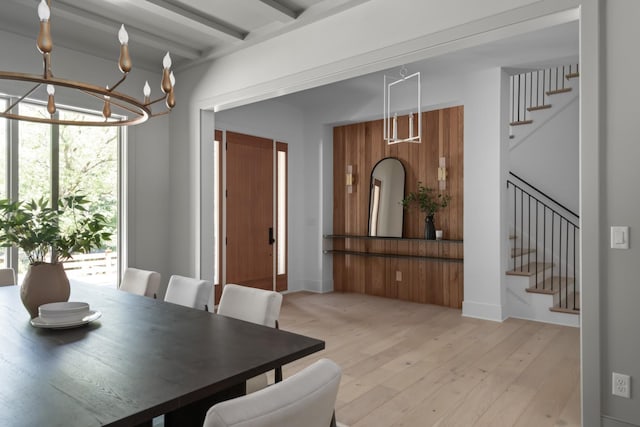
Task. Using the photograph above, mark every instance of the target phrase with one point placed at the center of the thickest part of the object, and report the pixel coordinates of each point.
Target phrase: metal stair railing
(551, 231)
(530, 90)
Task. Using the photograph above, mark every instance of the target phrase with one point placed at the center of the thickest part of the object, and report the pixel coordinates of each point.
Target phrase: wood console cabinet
(425, 271)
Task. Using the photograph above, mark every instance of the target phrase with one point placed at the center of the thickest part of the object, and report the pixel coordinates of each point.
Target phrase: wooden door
(250, 222)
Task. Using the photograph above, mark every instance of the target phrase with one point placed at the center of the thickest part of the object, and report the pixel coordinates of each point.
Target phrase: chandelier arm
(160, 114)
(114, 102)
(22, 98)
(155, 101)
(117, 84)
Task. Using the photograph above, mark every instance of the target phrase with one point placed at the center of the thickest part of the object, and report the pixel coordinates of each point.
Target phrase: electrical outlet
(621, 385)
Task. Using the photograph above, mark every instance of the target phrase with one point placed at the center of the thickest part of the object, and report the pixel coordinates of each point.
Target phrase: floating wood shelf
(387, 255)
(411, 239)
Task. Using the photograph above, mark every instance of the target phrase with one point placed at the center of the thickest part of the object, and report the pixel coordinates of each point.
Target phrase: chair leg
(333, 420)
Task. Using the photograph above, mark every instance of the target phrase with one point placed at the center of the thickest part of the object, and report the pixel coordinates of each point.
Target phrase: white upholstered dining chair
(255, 306)
(7, 277)
(141, 282)
(306, 399)
(188, 292)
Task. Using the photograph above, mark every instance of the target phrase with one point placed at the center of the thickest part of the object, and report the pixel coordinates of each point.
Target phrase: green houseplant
(429, 202)
(48, 236)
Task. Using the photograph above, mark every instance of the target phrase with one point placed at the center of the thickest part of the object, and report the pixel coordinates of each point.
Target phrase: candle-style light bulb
(146, 90)
(124, 63)
(123, 36)
(51, 103)
(395, 127)
(44, 42)
(44, 13)
(411, 125)
(166, 79)
(166, 61)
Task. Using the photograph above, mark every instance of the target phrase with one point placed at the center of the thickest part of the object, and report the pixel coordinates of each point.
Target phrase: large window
(55, 161)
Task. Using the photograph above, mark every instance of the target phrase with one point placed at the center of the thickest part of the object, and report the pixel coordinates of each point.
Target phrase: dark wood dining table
(143, 358)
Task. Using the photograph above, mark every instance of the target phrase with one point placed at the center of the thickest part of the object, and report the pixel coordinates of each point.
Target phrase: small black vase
(429, 228)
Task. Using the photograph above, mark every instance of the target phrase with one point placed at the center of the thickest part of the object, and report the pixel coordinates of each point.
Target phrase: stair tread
(572, 75)
(551, 285)
(530, 269)
(539, 107)
(557, 91)
(521, 122)
(516, 252)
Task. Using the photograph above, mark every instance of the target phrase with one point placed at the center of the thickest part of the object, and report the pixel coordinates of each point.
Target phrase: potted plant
(48, 237)
(429, 202)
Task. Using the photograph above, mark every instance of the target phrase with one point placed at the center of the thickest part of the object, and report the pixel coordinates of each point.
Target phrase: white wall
(548, 158)
(621, 206)
(148, 216)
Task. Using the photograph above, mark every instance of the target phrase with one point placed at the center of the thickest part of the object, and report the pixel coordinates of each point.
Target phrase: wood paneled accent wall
(422, 280)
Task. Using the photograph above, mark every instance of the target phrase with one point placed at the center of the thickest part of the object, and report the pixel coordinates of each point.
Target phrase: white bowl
(63, 312)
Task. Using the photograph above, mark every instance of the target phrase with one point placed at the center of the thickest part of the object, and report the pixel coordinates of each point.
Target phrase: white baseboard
(480, 310)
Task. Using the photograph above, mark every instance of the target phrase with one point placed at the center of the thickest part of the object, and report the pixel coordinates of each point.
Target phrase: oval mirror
(387, 191)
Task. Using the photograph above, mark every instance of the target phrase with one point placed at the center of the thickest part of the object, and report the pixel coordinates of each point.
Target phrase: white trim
(591, 135)
(480, 310)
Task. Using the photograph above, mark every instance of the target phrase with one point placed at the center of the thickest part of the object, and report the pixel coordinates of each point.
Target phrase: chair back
(305, 399)
(7, 277)
(141, 282)
(250, 304)
(188, 292)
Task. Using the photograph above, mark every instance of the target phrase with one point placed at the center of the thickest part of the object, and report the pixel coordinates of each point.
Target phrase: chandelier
(134, 111)
(402, 95)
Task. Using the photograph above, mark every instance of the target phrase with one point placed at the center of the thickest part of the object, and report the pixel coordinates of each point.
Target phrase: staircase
(535, 91)
(542, 278)
(543, 257)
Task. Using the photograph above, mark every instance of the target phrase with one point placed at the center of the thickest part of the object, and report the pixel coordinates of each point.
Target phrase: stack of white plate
(64, 315)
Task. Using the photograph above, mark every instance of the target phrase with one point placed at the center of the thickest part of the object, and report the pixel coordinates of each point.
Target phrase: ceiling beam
(197, 16)
(286, 14)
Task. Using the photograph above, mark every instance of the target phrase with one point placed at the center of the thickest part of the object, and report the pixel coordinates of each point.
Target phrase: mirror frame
(371, 197)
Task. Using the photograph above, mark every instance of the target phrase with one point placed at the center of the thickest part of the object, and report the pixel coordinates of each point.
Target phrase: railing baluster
(529, 232)
(515, 224)
(544, 75)
(575, 279)
(537, 205)
(566, 270)
(544, 245)
(519, 96)
(522, 230)
(553, 230)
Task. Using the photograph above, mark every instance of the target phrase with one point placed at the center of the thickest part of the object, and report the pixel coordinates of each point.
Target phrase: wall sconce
(350, 178)
(397, 92)
(442, 174)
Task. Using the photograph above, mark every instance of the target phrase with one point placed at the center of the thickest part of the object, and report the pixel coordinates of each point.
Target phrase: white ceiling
(190, 29)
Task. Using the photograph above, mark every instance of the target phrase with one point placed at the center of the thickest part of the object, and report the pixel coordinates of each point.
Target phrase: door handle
(271, 239)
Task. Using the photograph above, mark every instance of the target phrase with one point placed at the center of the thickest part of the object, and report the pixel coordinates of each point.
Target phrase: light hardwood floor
(408, 364)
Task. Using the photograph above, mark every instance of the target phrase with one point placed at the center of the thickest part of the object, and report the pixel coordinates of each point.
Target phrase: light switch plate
(619, 237)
